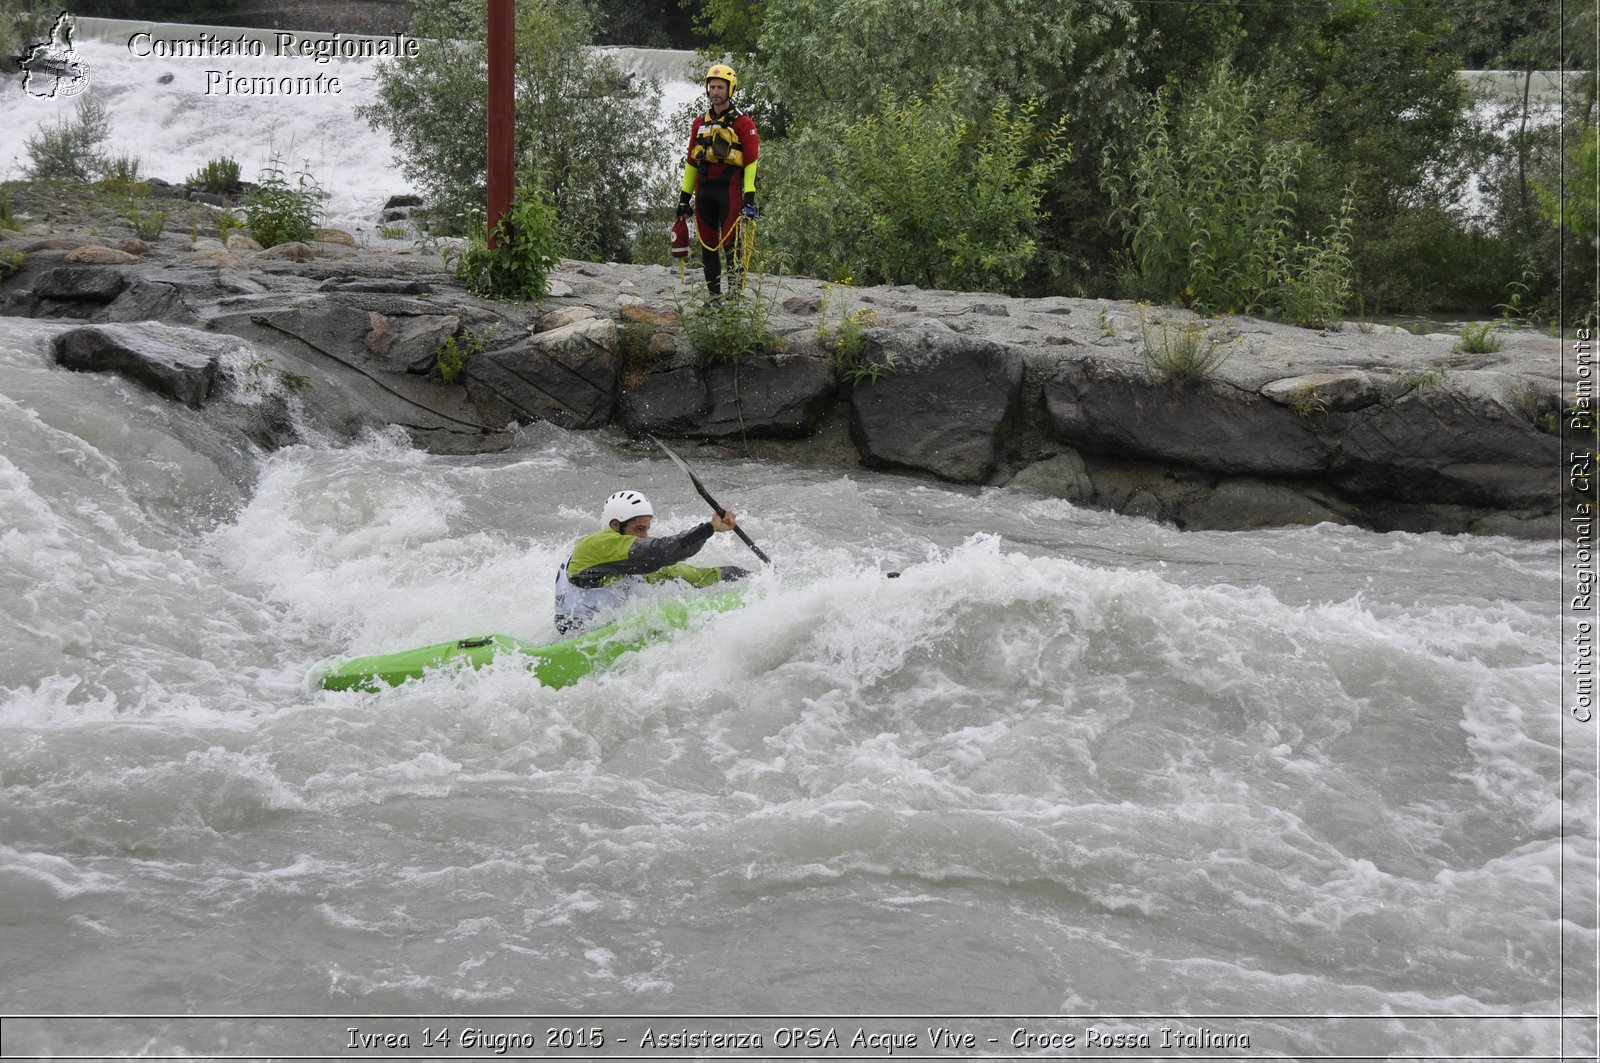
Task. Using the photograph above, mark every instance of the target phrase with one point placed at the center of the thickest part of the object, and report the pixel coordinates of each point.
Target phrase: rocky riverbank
(1368, 425)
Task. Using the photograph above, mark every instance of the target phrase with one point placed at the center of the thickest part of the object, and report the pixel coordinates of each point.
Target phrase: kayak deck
(555, 665)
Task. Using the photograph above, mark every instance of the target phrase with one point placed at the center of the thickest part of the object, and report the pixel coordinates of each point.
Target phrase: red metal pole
(502, 109)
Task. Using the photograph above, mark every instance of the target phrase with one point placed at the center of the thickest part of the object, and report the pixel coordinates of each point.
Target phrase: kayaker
(606, 566)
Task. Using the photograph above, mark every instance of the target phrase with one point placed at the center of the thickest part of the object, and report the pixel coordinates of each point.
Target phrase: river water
(1069, 763)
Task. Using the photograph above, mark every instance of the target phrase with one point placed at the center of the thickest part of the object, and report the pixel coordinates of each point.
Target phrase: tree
(734, 24)
(1576, 211)
(587, 134)
(827, 61)
(22, 23)
(643, 23)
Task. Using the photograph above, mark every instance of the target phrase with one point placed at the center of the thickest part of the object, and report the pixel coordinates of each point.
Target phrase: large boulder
(567, 376)
(80, 284)
(1119, 410)
(1448, 445)
(944, 403)
(409, 344)
(177, 362)
(667, 402)
(780, 396)
(771, 396)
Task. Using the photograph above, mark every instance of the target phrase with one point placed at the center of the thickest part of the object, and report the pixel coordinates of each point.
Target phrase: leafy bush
(729, 328)
(146, 225)
(220, 176)
(1317, 288)
(282, 210)
(1479, 338)
(72, 149)
(1208, 202)
(453, 354)
(915, 193)
(525, 247)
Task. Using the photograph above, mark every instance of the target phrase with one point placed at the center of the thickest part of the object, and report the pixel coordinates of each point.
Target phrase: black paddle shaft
(700, 487)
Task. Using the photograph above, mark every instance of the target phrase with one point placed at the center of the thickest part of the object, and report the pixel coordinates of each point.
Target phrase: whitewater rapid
(1068, 763)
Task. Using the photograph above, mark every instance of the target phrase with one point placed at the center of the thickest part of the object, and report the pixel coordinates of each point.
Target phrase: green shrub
(635, 358)
(282, 210)
(1420, 376)
(146, 225)
(1207, 200)
(1317, 288)
(729, 328)
(847, 339)
(120, 174)
(228, 223)
(1479, 338)
(1178, 354)
(1308, 402)
(453, 354)
(915, 193)
(525, 247)
(220, 176)
(72, 148)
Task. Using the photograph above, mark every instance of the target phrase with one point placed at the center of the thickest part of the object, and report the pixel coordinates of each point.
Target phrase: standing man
(721, 177)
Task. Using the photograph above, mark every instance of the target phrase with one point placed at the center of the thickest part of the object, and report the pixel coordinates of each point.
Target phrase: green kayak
(555, 665)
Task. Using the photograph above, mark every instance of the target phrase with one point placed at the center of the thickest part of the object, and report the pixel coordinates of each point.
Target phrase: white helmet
(624, 506)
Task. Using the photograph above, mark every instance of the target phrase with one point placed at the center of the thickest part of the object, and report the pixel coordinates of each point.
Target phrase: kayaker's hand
(724, 521)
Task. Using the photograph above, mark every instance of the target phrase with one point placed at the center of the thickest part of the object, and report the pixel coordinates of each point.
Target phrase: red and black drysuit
(721, 176)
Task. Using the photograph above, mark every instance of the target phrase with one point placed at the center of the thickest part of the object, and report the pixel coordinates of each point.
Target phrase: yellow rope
(720, 243)
(744, 246)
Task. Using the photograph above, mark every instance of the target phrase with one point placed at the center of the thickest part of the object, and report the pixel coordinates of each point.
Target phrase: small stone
(334, 236)
(567, 315)
(294, 250)
(639, 314)
(95, 255)
(54, 244)
(241, 242)
(218, 258)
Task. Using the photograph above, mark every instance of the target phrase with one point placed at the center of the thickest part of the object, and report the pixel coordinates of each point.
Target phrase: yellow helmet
(725, 72)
